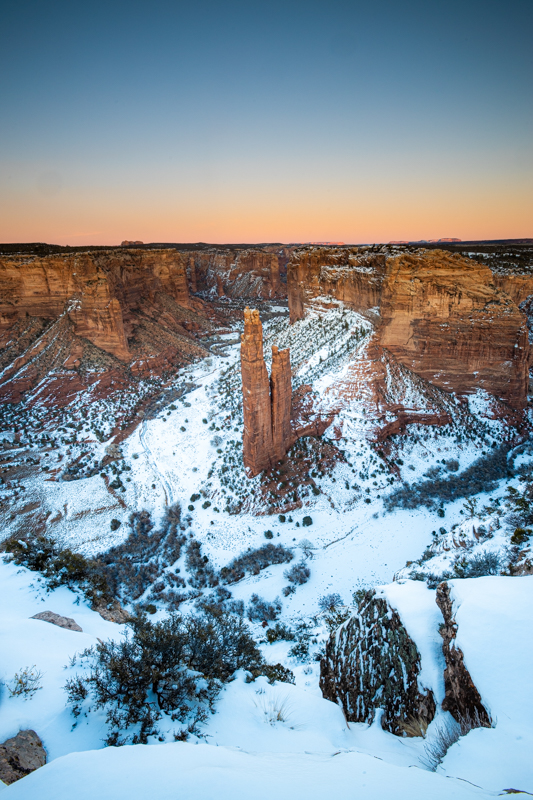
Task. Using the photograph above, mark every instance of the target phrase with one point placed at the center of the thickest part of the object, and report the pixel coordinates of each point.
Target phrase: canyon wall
(95, 312)
(441, 315)
(98, 291)
(444, 318)
(249, 273)
(266, 404)
(354, 277)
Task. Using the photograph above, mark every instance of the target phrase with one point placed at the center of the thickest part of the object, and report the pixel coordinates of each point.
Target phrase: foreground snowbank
(204, 772)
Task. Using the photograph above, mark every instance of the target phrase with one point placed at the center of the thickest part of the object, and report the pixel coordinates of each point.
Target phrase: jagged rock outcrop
(21, 755)
(371, 662)
(441, 315)
(462, 698)
(266, 403)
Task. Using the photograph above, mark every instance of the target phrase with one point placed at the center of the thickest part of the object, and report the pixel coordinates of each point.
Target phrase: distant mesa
(421, 241)
(126, 243)
(328, 243)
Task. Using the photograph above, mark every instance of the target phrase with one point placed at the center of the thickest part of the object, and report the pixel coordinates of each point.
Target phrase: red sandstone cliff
(127, 305)
(442, 315)
(266, 405)
(347, 275)
(249, 273)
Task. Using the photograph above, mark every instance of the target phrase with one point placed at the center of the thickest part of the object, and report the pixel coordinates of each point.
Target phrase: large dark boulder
(371, 663)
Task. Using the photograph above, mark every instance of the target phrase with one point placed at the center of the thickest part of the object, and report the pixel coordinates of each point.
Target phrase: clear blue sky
(245, 121)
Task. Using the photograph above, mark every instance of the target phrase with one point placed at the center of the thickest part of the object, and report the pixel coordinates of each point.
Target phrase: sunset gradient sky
(265, 121)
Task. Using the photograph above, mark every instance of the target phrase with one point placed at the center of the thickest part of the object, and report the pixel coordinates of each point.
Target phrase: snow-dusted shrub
(483, 564)
(252, 562)
(174, 667)
(298, 573)
(482, 476)
(328, 602)
(279, 632)
(446, 733)
(25, 683)
(201, 573)
(260, 610)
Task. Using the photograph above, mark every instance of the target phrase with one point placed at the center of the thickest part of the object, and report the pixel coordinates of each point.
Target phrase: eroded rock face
(93, 316)
(348, 275)
(266, 404)
(370, 663)
(442, 316)
(21, 755)
(462, 698)
(97, 291)
(249, 273)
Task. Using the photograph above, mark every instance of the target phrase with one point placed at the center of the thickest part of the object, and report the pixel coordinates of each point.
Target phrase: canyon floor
(357, 513)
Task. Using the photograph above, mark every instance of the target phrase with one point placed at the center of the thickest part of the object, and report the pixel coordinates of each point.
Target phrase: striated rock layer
(249, 273)
(266, 404)
(82, 315)
(273, 419)
(441, 315)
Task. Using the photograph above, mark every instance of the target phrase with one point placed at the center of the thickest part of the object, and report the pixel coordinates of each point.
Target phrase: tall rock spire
(266, 404)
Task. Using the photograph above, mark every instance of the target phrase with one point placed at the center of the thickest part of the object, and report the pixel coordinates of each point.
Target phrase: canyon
(445, 317)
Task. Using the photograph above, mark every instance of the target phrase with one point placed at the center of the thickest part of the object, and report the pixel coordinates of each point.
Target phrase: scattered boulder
(21, 755)
(371, 663)
(57, 619)
(462, 698)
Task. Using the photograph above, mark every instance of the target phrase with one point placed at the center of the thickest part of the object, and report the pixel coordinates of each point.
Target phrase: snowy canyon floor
(189, 453)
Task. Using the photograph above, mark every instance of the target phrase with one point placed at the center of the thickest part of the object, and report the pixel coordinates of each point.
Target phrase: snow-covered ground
(283, 739)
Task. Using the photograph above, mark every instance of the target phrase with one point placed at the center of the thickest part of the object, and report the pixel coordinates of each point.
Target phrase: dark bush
(279, 632)
(115, 524)
(520, 536)
(175, 667)
(252, 562)
(269, 535)
(273, 672)
(298, 573)
(260, 610)
(307, 521)
(482, 476)
(330, 601)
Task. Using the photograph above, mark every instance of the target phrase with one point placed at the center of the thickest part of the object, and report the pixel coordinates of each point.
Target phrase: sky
(265, 121)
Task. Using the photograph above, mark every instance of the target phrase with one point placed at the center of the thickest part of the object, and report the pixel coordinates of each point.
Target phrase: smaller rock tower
(266, 404)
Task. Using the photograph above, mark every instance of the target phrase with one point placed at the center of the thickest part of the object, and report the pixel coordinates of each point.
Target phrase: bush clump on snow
(175, 667)
(298, 574)
(252, 562)
(260, 610)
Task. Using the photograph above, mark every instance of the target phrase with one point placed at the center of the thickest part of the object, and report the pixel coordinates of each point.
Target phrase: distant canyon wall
(446, 317)
(99, 292)
(253, 274)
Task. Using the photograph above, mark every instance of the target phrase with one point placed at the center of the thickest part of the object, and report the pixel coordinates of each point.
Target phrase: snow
(494, 617)
(283, 740)
(204, 772)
